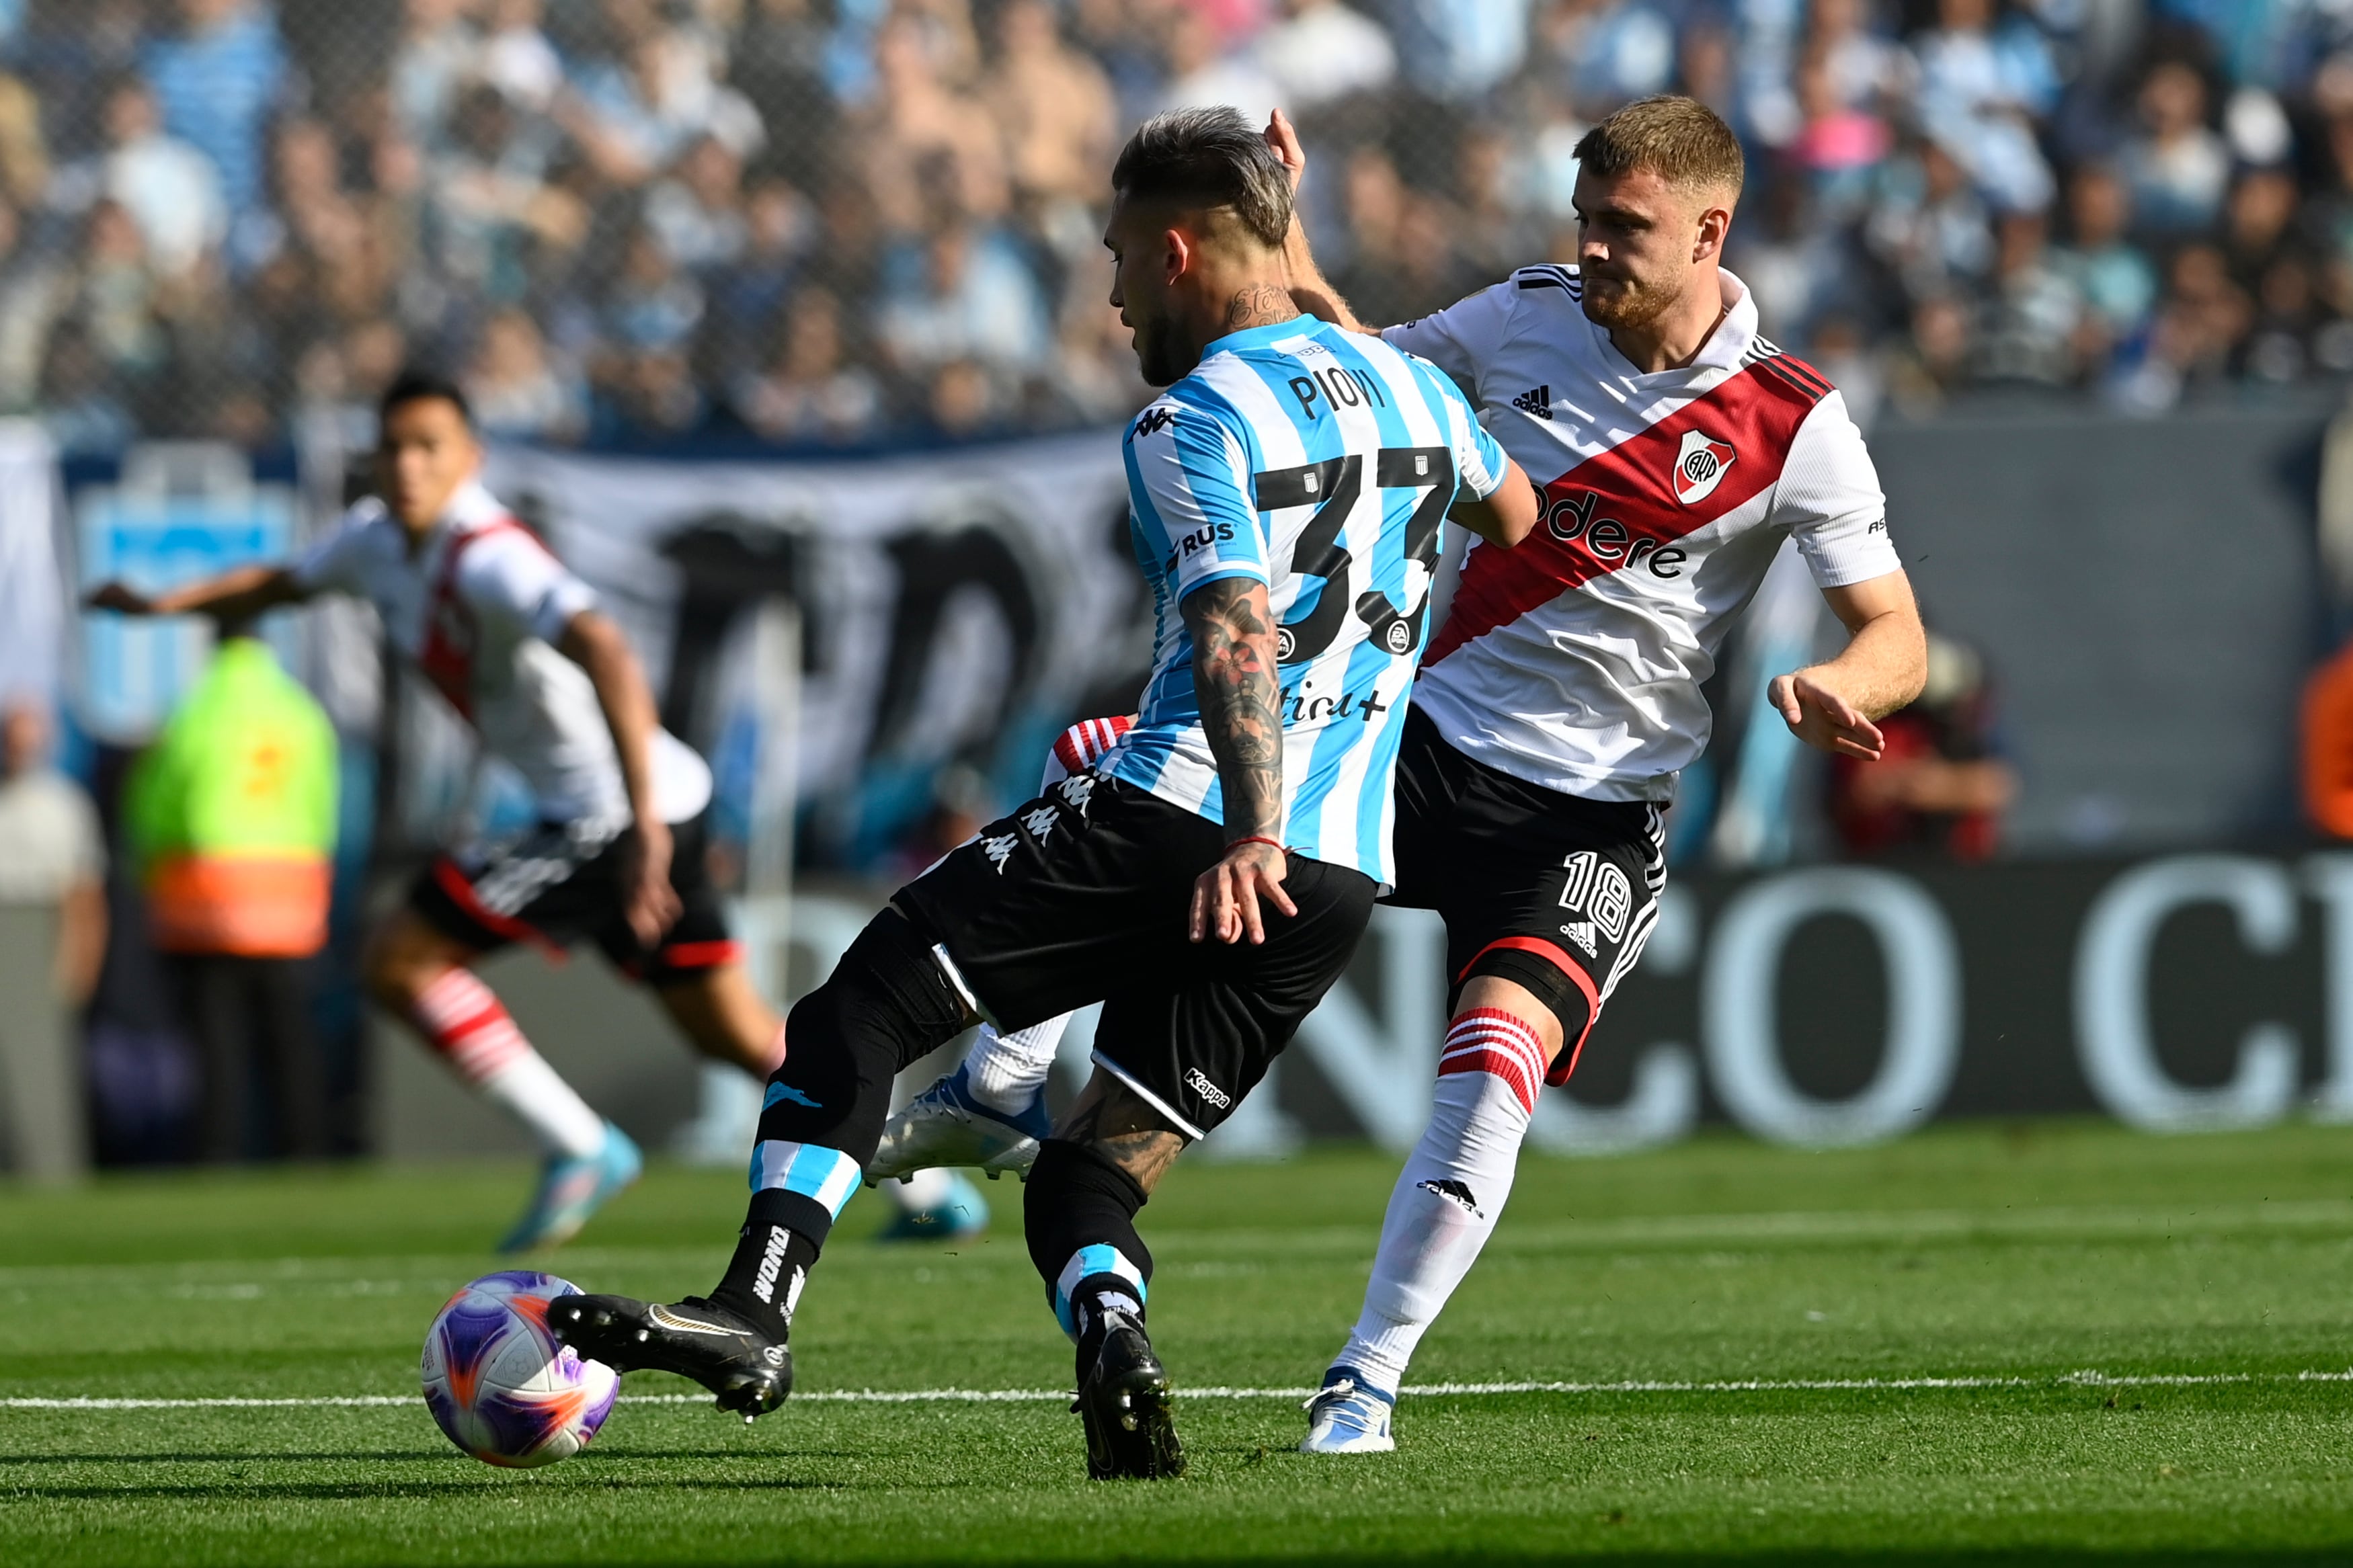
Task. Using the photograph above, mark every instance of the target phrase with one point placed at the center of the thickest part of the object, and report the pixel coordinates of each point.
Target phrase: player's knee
(1557, 1006)
(400, 964)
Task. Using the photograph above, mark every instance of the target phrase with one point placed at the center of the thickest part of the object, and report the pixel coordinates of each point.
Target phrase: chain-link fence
(846, 221)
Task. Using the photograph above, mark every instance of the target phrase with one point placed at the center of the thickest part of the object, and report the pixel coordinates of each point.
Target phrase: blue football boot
(946, 1126)
(573, 1187)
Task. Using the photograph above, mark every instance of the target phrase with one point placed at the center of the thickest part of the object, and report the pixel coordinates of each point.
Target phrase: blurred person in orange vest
(231, 815)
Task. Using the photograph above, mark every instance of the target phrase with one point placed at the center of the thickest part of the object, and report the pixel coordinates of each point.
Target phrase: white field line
(1424, 1390)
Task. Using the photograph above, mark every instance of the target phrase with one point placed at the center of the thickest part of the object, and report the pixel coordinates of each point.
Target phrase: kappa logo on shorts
(1040, 822)
(1077, 790)
(1200, 1085)
(999, 849)
(1700, 467)
(1599, 889)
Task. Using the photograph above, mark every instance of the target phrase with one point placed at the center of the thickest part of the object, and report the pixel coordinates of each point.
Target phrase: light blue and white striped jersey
(1320, 463)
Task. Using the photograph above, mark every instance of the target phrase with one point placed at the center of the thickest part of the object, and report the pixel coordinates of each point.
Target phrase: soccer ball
(500, 1385)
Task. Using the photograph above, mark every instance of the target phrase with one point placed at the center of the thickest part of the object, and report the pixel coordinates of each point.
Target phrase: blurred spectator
(231, 814)
(169, 189)
(1941, 786)
(2033, 314)
(515, 390)
(52, 851)
(2115, 279)
(1201, 73)
(2177, 165)
(1322, 50)
(52, 885)
(811, 392)
(649, 184)
(218, 73)
(1458, 49)
(1053, 106)
(963, 294)
(1980, 91)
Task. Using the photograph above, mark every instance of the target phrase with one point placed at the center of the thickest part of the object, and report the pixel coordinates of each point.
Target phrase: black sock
(1079, 1210)
(783, 1233)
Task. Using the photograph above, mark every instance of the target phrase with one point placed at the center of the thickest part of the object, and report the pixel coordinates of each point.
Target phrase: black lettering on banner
(1668, 563)
(1303, 388)
(1337, 484)
(1606, 539)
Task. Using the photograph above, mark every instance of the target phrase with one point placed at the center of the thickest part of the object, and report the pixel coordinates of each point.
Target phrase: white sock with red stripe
(1453, 1188)
(470, 1029)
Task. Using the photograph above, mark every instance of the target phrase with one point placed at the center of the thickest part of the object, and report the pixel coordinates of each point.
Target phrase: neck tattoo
(1257, 305)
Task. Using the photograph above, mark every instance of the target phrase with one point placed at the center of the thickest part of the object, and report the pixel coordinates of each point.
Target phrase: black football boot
(750, 1373)
(1124, 1402)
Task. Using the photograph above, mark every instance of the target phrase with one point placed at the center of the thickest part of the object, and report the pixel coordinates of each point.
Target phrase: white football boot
(946, 1126)
(1348, 1416)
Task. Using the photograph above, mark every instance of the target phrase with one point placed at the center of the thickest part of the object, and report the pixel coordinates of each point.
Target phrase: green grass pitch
(2197, 1275)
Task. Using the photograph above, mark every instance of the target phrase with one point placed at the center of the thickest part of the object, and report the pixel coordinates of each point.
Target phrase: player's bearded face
(1140, 292)
(1636, 236)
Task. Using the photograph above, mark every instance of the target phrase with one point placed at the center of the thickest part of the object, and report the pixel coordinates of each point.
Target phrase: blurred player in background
(516, 644)
(1561, 699)
(1291, 471)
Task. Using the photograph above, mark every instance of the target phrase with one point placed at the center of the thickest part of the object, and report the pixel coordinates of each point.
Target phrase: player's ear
(1183, 249)
(1715, 223)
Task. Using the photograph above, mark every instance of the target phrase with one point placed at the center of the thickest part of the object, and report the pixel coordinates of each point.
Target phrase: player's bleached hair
(1206, 158)
(1680, 140)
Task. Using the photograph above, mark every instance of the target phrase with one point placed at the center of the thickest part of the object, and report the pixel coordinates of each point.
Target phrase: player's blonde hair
(1680, 140)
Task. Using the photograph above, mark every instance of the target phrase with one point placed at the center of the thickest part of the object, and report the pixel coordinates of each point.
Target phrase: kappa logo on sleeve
(1155, 421)
(1700, 467)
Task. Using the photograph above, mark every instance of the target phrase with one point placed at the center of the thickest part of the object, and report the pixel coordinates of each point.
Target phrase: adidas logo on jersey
(1581, 934)
(1536, 400)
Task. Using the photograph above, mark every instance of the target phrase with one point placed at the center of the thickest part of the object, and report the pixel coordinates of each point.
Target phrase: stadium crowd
(838, 221)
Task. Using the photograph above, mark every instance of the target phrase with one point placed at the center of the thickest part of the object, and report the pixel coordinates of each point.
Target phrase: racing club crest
(1700, 467)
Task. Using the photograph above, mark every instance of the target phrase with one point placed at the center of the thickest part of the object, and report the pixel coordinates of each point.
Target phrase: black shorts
(1083, 895)
(560, 883)
(1555, 892)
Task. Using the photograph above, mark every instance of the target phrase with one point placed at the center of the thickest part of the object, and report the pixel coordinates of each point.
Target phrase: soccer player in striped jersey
(1563, 695)
(1208, 880)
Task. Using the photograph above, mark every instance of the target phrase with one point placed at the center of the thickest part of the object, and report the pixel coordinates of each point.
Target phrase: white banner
(958, 607)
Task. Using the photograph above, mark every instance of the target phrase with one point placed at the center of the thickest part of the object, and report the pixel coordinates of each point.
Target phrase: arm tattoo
(1257, 305)
(1240, 694)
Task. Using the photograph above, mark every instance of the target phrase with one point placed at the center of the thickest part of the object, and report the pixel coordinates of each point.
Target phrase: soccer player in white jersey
(517, 646)
(1210, 877)
(1676, 448)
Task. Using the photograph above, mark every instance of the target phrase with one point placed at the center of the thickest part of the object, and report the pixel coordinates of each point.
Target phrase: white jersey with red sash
(478, 609)
(1574, 661)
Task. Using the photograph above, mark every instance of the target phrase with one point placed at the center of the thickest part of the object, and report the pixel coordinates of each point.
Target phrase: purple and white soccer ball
(499, 1383)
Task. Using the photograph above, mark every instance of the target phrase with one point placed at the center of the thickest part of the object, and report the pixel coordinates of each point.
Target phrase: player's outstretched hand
(116, 596)
(653, 903)
(1225, 896)
(1284, 137)
(1824, 720)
